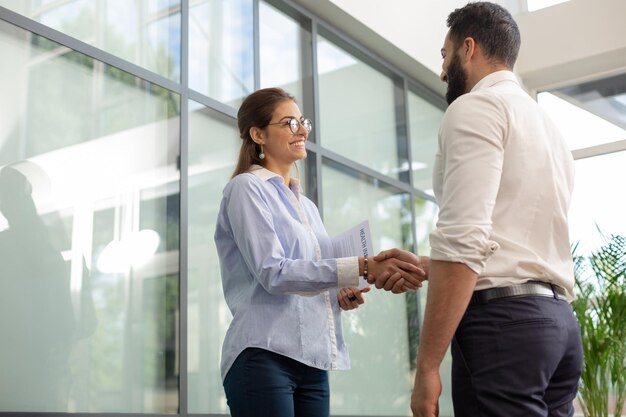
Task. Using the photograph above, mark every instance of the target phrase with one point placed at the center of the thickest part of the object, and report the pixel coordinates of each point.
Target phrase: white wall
(572, 41)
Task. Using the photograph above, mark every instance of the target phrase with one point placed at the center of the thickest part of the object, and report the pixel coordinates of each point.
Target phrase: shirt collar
(494, 78)
(265, 175)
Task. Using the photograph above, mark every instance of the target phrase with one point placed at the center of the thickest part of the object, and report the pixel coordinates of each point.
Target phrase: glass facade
(146, 33)
(424, 121)
(350, 198)
(89, 234)
(117, 136)
(221, 62)
(283, 42)
(358, 109)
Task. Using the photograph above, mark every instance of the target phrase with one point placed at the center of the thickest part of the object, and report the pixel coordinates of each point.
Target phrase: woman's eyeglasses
(294, 124)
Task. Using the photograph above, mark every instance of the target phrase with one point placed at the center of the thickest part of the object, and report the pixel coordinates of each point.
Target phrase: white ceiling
(569, 42)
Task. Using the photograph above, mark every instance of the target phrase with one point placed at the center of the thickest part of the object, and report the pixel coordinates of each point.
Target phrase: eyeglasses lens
(294, 125)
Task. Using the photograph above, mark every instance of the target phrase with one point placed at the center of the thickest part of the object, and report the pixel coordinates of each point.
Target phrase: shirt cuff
(455, 245)
(348, 272)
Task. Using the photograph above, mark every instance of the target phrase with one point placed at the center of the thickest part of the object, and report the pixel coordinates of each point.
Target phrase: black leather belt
(528, 289)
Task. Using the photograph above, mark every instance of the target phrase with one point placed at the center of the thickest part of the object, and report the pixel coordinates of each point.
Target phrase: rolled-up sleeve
(469, 166)
(254, 233)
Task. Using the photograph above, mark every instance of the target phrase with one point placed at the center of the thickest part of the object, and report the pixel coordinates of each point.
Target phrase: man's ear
(257, 135)
(469, 48)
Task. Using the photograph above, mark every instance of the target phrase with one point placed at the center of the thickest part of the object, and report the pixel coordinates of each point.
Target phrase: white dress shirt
(503, 178)
(279, 274)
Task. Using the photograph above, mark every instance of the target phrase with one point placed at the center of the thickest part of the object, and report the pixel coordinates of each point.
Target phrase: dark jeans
(516, 357)
(262, 383)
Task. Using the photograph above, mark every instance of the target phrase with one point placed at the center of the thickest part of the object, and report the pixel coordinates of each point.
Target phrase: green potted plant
(600, 307)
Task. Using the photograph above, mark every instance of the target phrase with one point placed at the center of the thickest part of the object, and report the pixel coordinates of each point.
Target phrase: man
(501, 273)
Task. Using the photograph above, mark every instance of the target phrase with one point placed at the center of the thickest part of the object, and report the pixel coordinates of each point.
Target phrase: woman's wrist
(365, 267)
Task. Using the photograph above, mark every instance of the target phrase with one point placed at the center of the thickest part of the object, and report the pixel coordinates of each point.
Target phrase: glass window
(88, 234)
(426, 214)
(221, 58)
(580, 128)
(213, 150)
(144, 33)
(424, 121)
(598, 201)
(357, 110)
(382, 321)
(281, 42)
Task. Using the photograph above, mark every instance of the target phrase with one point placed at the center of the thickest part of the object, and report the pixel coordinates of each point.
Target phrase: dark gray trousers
(516, 357)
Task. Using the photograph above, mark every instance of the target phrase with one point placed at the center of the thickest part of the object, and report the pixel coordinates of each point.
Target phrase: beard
(456, 79)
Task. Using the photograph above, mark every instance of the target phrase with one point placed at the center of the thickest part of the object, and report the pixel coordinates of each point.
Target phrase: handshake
(394, 270)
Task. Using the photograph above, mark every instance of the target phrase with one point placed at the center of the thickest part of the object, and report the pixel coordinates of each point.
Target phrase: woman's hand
(351, 297)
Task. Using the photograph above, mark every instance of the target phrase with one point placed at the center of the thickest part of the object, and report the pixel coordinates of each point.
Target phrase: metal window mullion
(342, 160)
(402, 124)
(427, 95)
(407, 115)
(212, 103)
(256, 43)
(183, 405)
(599, 150)
(316, 113)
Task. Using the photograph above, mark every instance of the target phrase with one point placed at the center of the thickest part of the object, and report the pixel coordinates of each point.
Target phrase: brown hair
(256, 111)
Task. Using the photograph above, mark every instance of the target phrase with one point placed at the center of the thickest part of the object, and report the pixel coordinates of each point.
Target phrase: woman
(279, 276)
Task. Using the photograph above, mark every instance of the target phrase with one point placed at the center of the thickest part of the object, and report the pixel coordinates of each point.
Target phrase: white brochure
(355, 241)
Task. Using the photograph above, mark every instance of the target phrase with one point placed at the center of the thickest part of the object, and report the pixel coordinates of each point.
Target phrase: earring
(261, 154)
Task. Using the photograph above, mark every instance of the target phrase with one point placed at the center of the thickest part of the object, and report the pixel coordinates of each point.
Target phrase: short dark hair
(256, 111)
(491, 26)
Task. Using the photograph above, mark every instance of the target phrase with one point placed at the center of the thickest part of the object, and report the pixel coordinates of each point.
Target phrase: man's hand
(395, 275)
(426, 392)
(412, 271)
(423, 262)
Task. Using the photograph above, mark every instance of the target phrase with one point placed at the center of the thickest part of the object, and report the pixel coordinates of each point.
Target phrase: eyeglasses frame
(300, 123)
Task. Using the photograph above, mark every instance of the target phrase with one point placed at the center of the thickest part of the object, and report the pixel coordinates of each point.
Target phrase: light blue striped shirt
(279, 276)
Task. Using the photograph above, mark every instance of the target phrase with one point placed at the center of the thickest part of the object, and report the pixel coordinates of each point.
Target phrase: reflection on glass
(221, 61)
(34, 295)
(139, 32)
(376, 334)
(357, 110)
(280, 42)
(598, 201)
(88, 234)
(213, 150)
(424, 120)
